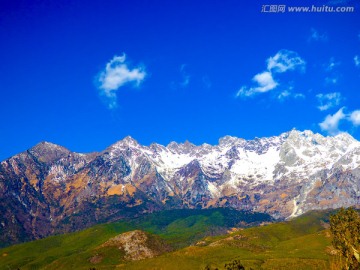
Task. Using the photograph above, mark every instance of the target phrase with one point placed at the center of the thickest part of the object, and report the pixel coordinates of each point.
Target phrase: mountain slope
(178, 228)
(49, 189)
(101, 247)
(301, 243)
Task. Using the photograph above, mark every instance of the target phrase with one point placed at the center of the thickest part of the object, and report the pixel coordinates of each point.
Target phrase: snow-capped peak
(283, 175)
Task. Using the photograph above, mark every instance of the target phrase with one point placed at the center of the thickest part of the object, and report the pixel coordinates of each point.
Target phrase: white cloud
(265, 82)
(316, 36)
(285, 60)
(331, 80)
(331, 64)
(331, 122)
(185, 79)
(330, 68)
(299, 95)
(355, 118)
(357, 60)
(282, 61)
(115, 75)
(244, 92)
(283, 95)
(288, 93)
(327, 101)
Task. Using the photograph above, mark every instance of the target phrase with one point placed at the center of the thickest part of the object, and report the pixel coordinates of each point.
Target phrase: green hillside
(302, 243)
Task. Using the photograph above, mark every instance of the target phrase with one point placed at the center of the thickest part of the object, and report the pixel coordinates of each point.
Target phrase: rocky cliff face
(137, 245)
(49, 189)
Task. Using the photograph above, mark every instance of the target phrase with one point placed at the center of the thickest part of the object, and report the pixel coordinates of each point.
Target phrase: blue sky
(85, 74)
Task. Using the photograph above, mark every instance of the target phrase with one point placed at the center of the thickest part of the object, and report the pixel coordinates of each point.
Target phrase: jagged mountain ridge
(49, 189)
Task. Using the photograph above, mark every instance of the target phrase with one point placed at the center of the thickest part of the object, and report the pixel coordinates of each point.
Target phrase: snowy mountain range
(49, 189)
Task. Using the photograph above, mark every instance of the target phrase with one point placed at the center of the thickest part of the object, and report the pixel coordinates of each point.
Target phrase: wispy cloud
(299, 95)
(281, 62)
(265, 82)
(185, 78)
(327, 101)
(285, 60)
(286, 94)
(331, 122)
(115, 75)
(331, 65)
(315, 35)
(355, 118)
(331, 80)
(357, 60)
(331, 69)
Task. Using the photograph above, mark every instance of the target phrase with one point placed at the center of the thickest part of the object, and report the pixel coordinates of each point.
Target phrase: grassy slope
(178, 227)
(182, 227)
(36, 254)
(298, 244)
